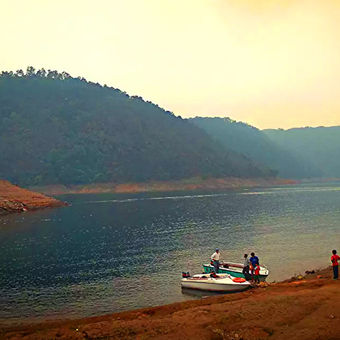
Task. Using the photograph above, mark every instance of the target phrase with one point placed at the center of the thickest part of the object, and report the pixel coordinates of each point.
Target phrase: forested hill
(318, 146)
(59, 129)
(272, 148)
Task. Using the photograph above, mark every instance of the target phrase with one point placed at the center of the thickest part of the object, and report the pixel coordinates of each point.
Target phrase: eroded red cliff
(16, 199)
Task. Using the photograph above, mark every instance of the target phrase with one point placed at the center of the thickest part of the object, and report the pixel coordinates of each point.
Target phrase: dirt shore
(15, 199)
(304, 308)
(190, 184)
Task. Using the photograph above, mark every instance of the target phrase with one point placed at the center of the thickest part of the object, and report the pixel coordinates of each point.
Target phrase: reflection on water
(200, 294)
(108, 252)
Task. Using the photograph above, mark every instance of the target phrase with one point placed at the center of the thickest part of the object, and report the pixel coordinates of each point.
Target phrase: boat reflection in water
(200, 293)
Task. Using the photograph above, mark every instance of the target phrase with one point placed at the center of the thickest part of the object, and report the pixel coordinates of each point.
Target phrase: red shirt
(335, 259)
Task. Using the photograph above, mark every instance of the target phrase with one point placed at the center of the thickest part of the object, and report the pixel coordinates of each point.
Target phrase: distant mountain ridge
(295, 153)
(56, 129)
(317, 146)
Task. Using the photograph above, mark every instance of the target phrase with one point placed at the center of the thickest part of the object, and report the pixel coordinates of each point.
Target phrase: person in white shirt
(215, 258)
(245, 270)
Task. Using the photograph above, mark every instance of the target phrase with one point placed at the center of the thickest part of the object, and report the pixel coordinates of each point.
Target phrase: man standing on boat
(215, 258)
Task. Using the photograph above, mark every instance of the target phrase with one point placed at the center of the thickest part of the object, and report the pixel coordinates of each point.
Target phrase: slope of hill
(317, 146)
(15, 199)
(58, 129)
(256, 145)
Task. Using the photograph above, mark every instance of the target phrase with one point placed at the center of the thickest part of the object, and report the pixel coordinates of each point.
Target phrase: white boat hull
(223, 283)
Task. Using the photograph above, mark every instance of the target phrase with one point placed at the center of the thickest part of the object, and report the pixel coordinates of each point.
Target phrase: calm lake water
(108, 253)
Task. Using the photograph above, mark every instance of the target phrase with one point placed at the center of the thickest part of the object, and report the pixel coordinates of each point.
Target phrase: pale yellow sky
(271, 63)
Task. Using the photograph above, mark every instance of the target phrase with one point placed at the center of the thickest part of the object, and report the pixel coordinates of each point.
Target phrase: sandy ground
(308, 308)
(16, 199)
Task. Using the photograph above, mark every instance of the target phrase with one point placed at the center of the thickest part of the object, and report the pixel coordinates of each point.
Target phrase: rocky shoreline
(14, 199)
(300, 308)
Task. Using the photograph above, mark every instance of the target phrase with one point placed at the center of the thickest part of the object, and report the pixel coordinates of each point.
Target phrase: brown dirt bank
(15, 199)
(196, 183)
(294, 309)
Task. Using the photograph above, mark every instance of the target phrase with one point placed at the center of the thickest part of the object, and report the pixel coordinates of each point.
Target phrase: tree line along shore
(188, 184)
(14, 199)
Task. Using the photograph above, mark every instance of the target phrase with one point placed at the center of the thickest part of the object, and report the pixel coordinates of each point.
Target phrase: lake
(108, 253)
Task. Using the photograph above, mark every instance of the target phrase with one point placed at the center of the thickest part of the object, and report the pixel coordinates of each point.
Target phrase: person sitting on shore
(245, 270)
(215, 258)
(335, 264)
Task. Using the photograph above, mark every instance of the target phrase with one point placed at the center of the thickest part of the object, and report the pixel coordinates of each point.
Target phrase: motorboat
(235, 269)
(215, 283)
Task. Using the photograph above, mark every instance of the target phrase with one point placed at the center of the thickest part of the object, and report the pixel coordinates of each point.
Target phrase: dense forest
(319, 147)
(58, 129)
(295, 153)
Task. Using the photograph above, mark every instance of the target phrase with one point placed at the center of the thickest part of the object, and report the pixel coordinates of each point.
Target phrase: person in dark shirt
(254, 260)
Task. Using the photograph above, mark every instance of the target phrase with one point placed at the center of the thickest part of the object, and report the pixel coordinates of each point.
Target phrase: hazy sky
(271, 63)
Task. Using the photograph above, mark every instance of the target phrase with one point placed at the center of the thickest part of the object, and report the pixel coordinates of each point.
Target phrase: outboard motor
(185, 274)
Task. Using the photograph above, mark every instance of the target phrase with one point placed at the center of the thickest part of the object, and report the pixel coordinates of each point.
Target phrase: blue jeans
(216, 265)
(335, 272)
(246, 274)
